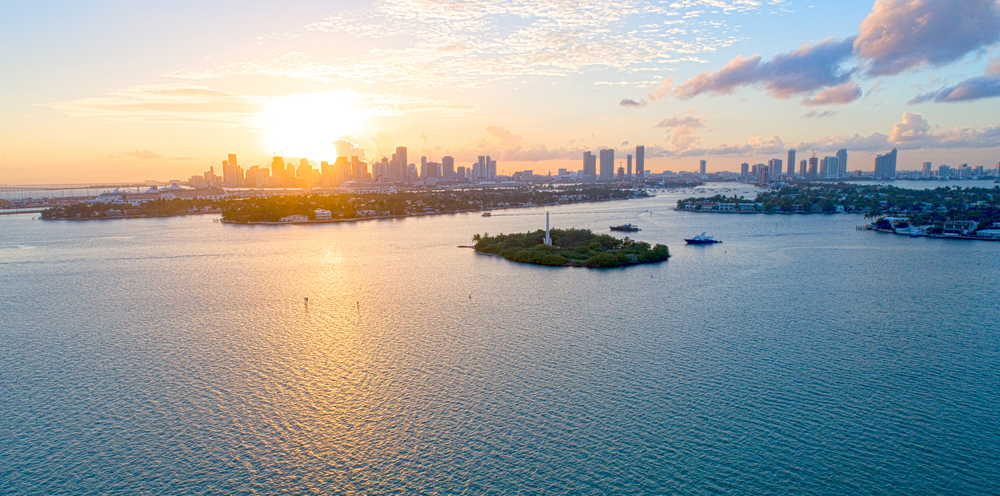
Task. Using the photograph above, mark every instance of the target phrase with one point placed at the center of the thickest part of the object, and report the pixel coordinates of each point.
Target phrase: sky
(116, 91)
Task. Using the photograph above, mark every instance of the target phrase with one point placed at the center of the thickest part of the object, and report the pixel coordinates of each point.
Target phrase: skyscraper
(278, 170)
(607, 164)
(813, 167)
(448, 167)
(744, 171)
(842, 162)
(774, 167)
(802, 168)
(885, 165)
(628, 173)
(640, 161)
(926, 171)
(703, 169)
(589, 167)
(791, 162)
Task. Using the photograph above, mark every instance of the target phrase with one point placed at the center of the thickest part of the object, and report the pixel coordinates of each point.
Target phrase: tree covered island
(571, 248)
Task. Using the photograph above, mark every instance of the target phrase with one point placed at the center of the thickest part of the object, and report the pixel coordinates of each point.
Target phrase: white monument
(548, 239)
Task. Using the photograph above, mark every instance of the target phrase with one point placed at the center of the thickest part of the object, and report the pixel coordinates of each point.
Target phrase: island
(570, 248)
(945, 212)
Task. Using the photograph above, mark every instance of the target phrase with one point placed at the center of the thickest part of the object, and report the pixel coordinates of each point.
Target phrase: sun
(304, 125)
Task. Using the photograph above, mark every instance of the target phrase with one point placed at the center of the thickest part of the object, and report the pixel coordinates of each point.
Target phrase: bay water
(800, 356)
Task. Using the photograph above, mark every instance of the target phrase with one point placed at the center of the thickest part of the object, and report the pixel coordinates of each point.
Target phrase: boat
(626, 228)
(702, 239)
(487, 214)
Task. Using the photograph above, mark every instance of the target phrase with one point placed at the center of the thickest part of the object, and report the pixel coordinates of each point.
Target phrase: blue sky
(123, 91)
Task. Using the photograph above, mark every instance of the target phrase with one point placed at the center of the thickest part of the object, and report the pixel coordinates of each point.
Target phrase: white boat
(702, 239)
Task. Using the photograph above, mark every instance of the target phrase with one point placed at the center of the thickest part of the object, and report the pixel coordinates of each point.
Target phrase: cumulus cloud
(913, 128)
(903, 34)
(384, 145)
(970, 89)
(628, 102)
(684, 128)
(837, 95)
(346, 148)
(810, 68)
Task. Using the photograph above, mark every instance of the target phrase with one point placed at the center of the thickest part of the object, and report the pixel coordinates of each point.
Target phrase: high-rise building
(607, 164)
(774, 167)
(925, 172)
(791, 162)
(829, 168)
(423, 167)
(842, 163)
(628, 171)
(813, 167)
(703, 169)
(803, 165)
(448, 167)
(885, 165)
(460, 173)
(640, 161)
(744, 171)
(278, 170)
(589, 167)
(232, 175)
(491, 168)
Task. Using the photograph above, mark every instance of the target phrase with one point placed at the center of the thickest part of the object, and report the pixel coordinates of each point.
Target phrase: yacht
(702, 239)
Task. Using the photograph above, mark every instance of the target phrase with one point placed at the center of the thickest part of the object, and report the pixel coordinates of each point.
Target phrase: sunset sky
(127, 91)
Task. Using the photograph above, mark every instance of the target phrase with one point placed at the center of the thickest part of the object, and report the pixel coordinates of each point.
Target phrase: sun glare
(307, 124)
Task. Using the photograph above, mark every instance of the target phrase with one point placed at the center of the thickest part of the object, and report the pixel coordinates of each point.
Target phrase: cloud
(913, 128)
(384, 145)
(904, 34)
(628, 102)
(140, 154)
(681, 121)
(970, 89)
(166, 103)
(837, 95)
(819, 115)
(346, 148)
(468, 43)
(663, 90)
(810, 68)
(684, 128)
(993, 69)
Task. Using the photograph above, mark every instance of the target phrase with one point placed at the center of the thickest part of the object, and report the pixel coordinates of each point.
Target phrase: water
(177, 356)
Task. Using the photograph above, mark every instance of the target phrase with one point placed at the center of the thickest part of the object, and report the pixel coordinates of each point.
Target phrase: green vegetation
(571, 247)
(924, 207)
(379, 205)
(155, 208)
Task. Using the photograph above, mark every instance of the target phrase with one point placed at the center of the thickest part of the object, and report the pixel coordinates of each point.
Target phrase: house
(959, 228)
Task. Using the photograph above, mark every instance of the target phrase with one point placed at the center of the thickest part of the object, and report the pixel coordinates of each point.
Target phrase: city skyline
(129, 94)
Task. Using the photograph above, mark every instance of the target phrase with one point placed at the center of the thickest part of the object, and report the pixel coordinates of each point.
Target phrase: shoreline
(403, 216)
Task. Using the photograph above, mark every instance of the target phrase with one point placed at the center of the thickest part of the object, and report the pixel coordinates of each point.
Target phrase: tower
(548, 239)
(640, 161)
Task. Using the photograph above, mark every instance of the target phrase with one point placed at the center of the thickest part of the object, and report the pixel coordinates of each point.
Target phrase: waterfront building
(842, 163)
(703, 169)
(803, 164)
(628, 171)
(829, 168)
(607, 164)
(744, 171)
(813, 167)
(774, 166)
(640, 162)
(925, 172)
(589, 167)
(885, 165)
(791, 162)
